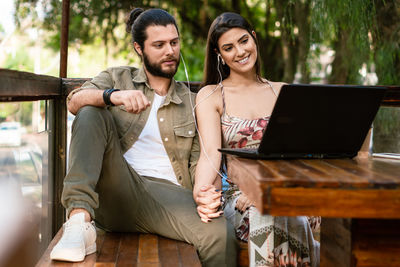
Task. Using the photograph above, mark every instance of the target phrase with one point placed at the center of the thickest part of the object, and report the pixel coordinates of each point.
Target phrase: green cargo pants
(102, 182)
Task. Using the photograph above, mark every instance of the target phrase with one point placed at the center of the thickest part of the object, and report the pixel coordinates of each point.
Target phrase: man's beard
(156, 69)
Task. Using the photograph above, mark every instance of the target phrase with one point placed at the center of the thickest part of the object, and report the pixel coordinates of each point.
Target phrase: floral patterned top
(241, 133)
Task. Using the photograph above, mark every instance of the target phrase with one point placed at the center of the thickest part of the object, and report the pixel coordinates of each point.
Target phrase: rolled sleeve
(101, 82)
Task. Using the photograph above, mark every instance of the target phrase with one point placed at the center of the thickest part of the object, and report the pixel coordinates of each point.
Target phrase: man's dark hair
(139, 20)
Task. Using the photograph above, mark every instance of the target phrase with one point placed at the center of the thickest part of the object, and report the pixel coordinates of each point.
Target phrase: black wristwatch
(107, 95)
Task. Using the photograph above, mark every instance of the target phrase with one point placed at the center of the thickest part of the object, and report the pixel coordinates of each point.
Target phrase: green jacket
(175, 119)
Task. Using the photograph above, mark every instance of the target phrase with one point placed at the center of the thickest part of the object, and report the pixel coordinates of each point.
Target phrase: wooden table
(365, 189)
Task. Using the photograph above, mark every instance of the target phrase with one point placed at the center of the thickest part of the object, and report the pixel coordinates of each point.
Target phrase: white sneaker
(77, 241)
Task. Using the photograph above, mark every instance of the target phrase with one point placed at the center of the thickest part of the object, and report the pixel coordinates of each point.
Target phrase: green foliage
(329, 17)
(20, 111)
(8, 109)
(347, 25)
(350, 27)
(193, 52)
(386, 42)
(19, 61)
(387, 60)
(25, 113)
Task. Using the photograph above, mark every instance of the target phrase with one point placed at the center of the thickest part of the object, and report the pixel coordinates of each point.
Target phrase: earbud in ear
(221, 59)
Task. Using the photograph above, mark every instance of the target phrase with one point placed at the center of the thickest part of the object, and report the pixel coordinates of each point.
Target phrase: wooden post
(59, 112)
(64, 39)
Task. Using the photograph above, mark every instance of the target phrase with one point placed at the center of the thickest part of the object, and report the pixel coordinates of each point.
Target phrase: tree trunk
(286, 41)
(340, 66)
(302, 11)
(270, 50)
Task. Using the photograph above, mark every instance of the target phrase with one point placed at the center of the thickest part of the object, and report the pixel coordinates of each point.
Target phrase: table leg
(335, 242)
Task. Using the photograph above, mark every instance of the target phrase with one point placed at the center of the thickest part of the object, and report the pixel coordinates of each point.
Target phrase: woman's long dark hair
(220, 25)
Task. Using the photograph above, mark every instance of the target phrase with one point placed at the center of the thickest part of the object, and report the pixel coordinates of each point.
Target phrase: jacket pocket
(184, 134)
(187, 129)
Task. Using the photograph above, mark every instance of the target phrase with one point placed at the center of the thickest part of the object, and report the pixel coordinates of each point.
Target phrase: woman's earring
(220, 58)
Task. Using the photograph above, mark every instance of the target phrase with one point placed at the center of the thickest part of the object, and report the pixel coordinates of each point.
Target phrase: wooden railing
(26, 86)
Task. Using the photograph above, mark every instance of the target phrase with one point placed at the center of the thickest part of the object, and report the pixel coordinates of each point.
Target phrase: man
(133, 151)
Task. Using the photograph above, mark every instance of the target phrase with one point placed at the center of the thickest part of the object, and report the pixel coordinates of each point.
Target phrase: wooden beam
(70, 84)
(332, 203)
(19, 85)
(392, 97)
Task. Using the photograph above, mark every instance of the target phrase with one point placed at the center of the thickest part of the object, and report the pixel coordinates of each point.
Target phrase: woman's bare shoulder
(209, 91)
(207, 88)
(210, 97)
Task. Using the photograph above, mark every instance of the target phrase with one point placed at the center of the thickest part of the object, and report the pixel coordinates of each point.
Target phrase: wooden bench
(136, 249)
(130, 249)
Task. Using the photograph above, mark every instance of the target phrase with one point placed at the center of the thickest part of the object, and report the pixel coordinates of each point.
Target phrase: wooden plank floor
(131, 249)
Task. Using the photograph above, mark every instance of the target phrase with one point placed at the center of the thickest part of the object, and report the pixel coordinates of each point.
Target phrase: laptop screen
(321, 119)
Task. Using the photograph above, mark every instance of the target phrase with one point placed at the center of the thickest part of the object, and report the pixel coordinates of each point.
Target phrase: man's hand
(243, 203)
(133, 100)
(208, 202)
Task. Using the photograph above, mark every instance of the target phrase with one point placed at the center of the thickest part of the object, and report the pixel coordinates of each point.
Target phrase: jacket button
(190, 132)
(166, 139)
(161, 119)
(180, 178)
(173, 159)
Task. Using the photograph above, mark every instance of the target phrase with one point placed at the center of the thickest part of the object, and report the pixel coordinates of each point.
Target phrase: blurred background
(303, 41)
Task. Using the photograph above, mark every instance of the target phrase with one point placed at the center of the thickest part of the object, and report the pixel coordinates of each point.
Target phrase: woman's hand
(208, 202)
(243, 203)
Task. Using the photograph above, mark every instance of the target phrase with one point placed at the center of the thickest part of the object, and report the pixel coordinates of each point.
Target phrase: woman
(232, 110)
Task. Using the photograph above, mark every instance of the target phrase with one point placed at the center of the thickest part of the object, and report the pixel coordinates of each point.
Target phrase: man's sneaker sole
(73, 258)
(91, 249)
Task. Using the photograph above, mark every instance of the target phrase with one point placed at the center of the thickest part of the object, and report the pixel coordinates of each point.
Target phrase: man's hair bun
(132, 17)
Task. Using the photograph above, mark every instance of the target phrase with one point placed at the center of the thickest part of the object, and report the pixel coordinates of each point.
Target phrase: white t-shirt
(147, 156)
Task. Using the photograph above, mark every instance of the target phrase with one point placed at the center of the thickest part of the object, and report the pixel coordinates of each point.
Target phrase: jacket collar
(172, 95)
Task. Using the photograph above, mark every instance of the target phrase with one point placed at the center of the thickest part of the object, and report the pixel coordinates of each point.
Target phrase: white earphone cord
(194, 116)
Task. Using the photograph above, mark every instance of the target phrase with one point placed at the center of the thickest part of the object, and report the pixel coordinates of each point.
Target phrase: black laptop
(317, 121)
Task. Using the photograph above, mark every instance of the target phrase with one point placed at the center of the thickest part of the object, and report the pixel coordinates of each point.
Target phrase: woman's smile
(244, 60)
